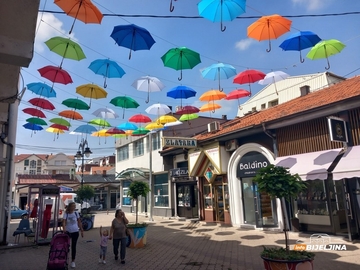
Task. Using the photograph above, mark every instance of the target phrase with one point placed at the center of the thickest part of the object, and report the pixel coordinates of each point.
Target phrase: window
(38, 170)
(123, 153)
(155, 138)
(32, 172)
(126, 198)
(39, 162)
(26, 162)
(161, 190)
(253, 109)
(32, 164)
(263, 106)
(273, 103)
(60, 162)
(138, 148)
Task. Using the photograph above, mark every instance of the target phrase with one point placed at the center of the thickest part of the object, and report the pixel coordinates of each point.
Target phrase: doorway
(219, 202)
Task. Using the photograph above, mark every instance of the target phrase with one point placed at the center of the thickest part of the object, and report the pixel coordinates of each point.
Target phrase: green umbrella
(188, 117)
(140, 132)
(37, 121)
(181, 58)
(100, 122)
(60, 121)
(76, 104)
(324, 49)
(124, 102)
(65, 48)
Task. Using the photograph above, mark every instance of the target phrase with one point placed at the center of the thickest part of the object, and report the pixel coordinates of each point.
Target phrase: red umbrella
(55, 74)
(114, 131)
(42, 103)
(249, 76)
(57, 126)
(34, 112)
(139, 118)
(238, 93)
(187, 110)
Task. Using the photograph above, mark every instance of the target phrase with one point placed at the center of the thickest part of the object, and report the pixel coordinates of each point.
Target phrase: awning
(349, 164)
(310, 166)
(133, 174)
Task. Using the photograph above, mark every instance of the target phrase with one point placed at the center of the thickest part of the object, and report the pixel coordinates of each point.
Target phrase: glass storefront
(125, 188)
(161, 190)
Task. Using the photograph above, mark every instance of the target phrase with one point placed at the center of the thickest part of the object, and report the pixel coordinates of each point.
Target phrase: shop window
(208, 197)
(138, 148)
(123, 153)
(186, 196)
(161, 190)
(126, 198)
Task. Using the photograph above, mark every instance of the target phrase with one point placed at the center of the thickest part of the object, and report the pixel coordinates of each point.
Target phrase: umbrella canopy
(212, 95)
(60, 121)
(249, 76)
(180, 92)
(148, 84)
(114, 131)
(65, 48)
(325, 49)
(71, 115)
(172, 124)
(166, 119)
(139, 118)
(218, 71)
(236, 94)
(132, 37)
(99, 122)
(187, 110)
(273, 77)
(154, 125)
(181, 58)
(83, 10)
(34, 112)
(55, 130)
(269, 27)
(105, 113)
(158, 109)
(57, 126)
(221, 10)
(300, 41)
(106, 68)
(32, 126)
(127, 126)
(41, 89)
(209, 107)
(188, 117)
(76, 104)
(140, 132)
(124, 102)
(86, 129)
(42, 103)
(37, 121)
(91, 91)
(101, 133)
(55, 74)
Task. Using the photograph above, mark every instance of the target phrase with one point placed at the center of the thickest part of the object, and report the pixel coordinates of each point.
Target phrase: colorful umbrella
(140, 132)
(56, 131)
(101, 133)
(37, 121)
(188, 117)
(55, 74)
(100, 122)
(158, 109)
(85, 129)
(139, 118)
(105, 113)
(60, 121)
(221, 10)
(148, 84)
(212, 95)
(124, 102)
(166, 119)
(114, 131)
(127, 126)
(76, 104)
(249, 76)
(325, 49)
(180, 92)
(154, 125)
(273, 77)
(33, 127)
(41, 89)
(218, 71)
(209, 107)
(57, 126)
(132, 37)
(269, 27)
(107, 68)
(91, 91)
(181, 58)
(34, 112)
(300, 41)
(172, 124)
(42, 103)
(236, 94)
(187, 110)
(83, 10)
(71, 115)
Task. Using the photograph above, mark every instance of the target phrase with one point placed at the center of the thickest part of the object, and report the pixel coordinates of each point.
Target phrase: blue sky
(231, 47)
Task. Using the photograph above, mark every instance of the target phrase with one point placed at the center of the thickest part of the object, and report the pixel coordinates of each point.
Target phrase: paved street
(174, 244)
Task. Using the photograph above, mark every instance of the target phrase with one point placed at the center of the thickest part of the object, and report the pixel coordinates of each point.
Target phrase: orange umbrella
(209, 107)
(71, 115)
(83, 10)
(269, 27)
(212, 95)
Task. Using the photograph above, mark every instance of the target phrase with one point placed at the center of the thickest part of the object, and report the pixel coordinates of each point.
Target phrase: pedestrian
(104, 237)
(72, 225)
(118, 234)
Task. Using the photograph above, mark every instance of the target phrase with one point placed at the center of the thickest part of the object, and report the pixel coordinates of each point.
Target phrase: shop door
(219, 203)
(352, 201)
(265, 210)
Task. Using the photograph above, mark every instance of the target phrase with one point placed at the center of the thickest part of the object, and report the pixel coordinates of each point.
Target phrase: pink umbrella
(236, 94)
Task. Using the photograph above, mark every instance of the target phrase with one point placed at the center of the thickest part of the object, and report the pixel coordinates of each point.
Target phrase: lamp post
(83, 151)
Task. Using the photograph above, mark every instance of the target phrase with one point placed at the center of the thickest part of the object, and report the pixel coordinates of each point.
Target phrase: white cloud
(312, 5)
(244, 44)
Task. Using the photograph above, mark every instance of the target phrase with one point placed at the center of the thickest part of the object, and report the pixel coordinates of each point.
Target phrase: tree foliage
(137, 189)
(86, 192)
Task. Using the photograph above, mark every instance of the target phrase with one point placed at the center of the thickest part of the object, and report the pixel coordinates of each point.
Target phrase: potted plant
(85, 193)
(137, 231)
(279, 183)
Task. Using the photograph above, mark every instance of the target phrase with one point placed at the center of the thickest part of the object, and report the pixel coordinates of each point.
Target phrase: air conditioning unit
(213, 126)
(231, 145)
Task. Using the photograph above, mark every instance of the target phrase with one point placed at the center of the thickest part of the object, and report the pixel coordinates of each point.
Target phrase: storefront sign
(250, 163)
(179, 142)
(337, 128)
(179, 172)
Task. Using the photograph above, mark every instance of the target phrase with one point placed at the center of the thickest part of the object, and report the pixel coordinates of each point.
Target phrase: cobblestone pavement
(177, 244)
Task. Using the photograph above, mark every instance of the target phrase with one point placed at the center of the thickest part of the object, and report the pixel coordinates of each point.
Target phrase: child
(104, 237)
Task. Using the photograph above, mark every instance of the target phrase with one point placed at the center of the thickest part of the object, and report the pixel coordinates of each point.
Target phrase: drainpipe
(273, 137)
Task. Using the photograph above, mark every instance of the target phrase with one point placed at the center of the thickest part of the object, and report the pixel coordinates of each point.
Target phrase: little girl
(104, 237)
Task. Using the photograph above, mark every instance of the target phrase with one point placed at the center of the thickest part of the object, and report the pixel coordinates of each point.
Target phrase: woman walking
(118, 234)
(72, 225)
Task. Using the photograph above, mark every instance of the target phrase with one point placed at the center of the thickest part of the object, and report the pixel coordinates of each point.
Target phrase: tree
(137, 189)
(85, 192)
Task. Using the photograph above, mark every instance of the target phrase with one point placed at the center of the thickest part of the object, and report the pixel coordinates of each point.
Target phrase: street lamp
(83, 151)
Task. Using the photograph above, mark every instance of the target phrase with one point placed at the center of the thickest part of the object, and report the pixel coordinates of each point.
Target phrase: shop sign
(179, 172)
(250, 164)
(179, 142)
(337, 129)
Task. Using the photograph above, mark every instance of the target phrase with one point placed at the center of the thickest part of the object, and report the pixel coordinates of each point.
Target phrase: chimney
(224, 116)
(304, 90)
(104, 173)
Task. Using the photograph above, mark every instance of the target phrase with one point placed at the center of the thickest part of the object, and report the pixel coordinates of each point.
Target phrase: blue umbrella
(221, 10)
(127, 126)
(133, 37)
(181, 92)
(87, 129)
(32, 126)
(300, 41)
(218, 71)
(107, 68)
(41, 89)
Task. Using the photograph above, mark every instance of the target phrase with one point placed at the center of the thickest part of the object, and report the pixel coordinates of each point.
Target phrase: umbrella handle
(269, 49)
(222, 28)
(180, 78)
(328, 67)
(302, 60)
(130, 54)
(171, 6)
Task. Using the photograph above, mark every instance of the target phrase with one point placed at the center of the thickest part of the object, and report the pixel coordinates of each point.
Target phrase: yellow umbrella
(56, 131)
(209, 107)
(101, 133)
(154, 125)
(212, 95)
(164, 119)
(91, 91)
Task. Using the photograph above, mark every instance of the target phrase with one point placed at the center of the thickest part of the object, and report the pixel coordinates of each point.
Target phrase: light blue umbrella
(85, 129)
(221, 10)
(41, 89)
(127, 126)
(107, 68)
(218, 71)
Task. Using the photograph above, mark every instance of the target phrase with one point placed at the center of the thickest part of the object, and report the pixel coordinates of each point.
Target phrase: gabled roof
(21, 157)
(338, 92)
(46, 179)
